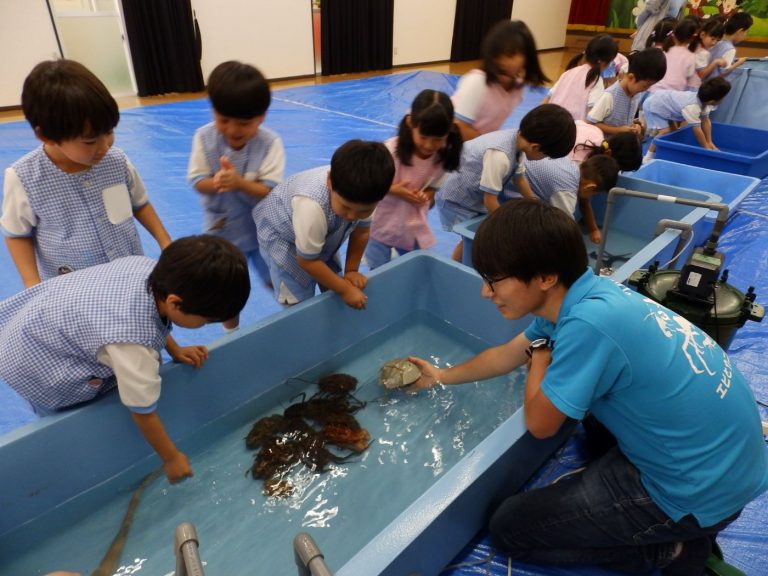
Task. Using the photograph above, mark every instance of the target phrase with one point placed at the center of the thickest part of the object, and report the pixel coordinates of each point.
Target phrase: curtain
(356, 35)
(473, 19)
(592, 12)
(165, 46)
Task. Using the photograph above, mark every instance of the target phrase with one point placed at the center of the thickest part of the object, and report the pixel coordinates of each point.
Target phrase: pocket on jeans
(653, 532)
(117, 203)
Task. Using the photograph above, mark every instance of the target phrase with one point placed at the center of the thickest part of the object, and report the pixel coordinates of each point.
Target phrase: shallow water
(416, 439)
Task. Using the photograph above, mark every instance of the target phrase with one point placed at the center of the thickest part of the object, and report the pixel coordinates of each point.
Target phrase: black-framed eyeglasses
(492, 281)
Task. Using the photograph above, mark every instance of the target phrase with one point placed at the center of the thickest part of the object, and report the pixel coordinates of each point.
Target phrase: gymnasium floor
(313, 120)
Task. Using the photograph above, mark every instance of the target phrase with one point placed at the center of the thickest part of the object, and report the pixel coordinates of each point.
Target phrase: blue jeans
(602, 516)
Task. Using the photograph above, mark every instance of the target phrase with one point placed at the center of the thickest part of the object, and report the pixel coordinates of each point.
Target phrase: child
(485, 97)
(491, 167)
(623, 147)
(579, 86)
(74, 337)
(691, 108)
(305, 220)
(235, 162)
(709, 34)
(616, 108)
(562, 183)
(734, 32)
(70, 203)
(654, 12)
(680, 60)
(427, 145)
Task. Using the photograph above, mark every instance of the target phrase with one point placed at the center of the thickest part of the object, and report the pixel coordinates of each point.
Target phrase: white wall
(26, 38)
(423, 30)
(547, 19)
(273, 35)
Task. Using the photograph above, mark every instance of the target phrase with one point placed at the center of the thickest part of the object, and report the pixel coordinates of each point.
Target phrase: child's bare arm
(706, 127)
(22, 250)
(588, 216)
(609, 129)
(701, 138)
(714, 63)
(175, 463)
(148, 218)
(468, 132)
(358, 240)
(524, 187)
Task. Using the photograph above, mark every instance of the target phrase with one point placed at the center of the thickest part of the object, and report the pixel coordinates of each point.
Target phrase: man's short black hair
(63, 100)
(738, 21)
(525, 238)
(209, 274)
(648, 64)
(362, 172)
(238, 90)
(552, 128)
(714, 89)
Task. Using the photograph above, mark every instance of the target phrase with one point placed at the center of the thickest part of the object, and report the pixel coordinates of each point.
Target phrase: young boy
(491, 165)
(562, 183)
(615, 109)
(70, 203)
(305, 220)
(734, 32)
(667, 107)
(74, 337)
(671, 480)
(235, 161)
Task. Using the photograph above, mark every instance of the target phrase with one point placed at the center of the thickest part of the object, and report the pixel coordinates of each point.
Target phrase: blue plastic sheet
(313, 121)
(745, 103)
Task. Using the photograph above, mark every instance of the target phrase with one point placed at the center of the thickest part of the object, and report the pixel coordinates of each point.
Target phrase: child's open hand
(227, 178)
(193, 355)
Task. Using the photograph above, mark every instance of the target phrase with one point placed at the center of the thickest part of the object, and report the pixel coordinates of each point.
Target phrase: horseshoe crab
(398, 373)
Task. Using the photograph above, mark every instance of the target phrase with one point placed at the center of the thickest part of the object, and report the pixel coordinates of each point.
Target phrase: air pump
(699, 290)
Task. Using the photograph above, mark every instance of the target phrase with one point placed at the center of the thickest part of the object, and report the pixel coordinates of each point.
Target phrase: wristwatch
(536, 344)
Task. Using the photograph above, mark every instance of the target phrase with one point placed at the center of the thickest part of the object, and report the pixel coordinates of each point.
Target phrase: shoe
(691, 560)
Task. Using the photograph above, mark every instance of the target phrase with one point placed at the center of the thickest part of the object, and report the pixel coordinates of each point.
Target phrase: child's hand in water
(354, 297)
(177, 468)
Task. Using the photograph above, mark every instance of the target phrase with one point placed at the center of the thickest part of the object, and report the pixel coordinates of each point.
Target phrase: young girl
(623, 147)
(708, 35)
(427, 145)
(580, 85)
(485, 97)
(680, 60)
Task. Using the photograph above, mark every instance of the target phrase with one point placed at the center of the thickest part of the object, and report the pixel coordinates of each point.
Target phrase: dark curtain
(356, 35)
(165, 46)
(473, 19)
(593, 12)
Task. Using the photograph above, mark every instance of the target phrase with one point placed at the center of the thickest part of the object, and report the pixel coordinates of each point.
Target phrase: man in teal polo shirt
(689, 452)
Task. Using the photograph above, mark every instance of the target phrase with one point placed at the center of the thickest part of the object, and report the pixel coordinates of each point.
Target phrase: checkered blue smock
(550, 175)
(74, 230)
(229, 215)
(50, 333)
(274, 221)
(624, 107)
(463, 187)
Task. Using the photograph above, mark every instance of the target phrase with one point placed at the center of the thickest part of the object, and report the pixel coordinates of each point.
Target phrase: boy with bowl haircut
(304, 222)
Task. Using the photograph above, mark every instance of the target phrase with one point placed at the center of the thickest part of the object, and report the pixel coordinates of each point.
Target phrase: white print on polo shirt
(725, 379)
(695, 343)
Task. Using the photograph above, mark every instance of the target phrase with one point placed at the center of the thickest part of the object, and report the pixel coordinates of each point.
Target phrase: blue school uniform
(680, 410)
(624, 107)
(85, 218)
(718, 51)
(550, 176)
(228, 215)
(460, 198)
(50, 333)
(274, 221)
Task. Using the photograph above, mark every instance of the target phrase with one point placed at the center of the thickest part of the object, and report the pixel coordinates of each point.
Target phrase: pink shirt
(399, 223)
(585, 134)
(680, 70)
(570, 93)
(482, 106)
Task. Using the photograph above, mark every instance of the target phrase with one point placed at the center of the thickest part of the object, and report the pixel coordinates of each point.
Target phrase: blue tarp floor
(312, 122)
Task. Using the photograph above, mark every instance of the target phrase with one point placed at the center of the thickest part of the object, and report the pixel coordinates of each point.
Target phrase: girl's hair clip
(606, 146)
